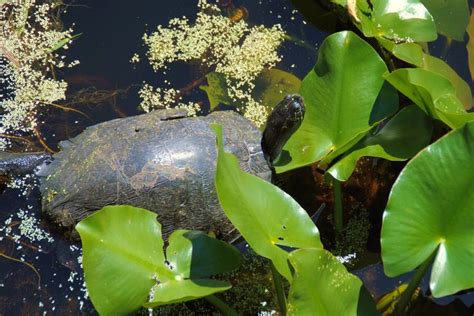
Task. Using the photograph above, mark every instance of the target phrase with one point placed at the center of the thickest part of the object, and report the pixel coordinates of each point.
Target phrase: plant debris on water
(29, 56)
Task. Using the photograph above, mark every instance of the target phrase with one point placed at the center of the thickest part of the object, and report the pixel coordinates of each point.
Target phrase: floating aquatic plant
(236, 50)
(28, 42)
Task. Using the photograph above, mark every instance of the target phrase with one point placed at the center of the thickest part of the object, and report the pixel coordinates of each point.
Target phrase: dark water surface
(111, 33)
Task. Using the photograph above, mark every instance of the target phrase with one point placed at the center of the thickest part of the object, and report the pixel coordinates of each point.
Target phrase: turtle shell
(160, 161)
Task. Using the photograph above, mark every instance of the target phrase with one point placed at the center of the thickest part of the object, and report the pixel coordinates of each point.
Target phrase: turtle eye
(295, 105)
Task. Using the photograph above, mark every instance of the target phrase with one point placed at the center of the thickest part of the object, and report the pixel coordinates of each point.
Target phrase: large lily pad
(433, 93)
(401, 138)
(451, 17)
(339, 94)
(413, 53)
(123, 259)
(322, 286)
(431, 208)
(266, 216)
(397, 20)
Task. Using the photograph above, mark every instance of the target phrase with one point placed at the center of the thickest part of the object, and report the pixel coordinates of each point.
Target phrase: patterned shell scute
(158, 161)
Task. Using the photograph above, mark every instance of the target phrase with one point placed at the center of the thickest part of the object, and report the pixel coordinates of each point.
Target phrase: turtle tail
(20, 163)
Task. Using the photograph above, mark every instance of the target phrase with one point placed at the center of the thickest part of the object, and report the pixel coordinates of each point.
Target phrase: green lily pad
(431, 208)
(410, 52)
(400, 139)
(397, 20)
(273, 85)
(270, 88)
(123, 259)
(119, 263)
(196, 261)
(266, 216)
(339, 94)
(192, 256)
(322, 286)
(451, 17)
(433, 93)
(216, 90)
(413, 53)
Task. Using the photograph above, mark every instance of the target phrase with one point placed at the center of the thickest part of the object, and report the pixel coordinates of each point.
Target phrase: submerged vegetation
(375, 91)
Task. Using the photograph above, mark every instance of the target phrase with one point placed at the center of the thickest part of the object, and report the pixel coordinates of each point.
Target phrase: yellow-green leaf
(433, 93)
(398, 20)
(322, 286)
(470, 44)
(413, 53)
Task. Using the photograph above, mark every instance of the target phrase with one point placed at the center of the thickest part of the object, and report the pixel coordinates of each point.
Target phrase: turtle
(162, 161)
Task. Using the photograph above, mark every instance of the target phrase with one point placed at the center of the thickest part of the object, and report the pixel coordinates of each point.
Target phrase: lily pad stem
(280, 291)
(414, 282)
(221, 305)
(338, 211)
(387, 57)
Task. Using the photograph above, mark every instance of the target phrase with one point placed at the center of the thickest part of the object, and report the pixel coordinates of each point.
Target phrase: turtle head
(282, 122)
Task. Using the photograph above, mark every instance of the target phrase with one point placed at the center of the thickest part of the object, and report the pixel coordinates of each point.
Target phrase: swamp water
(40, 271)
